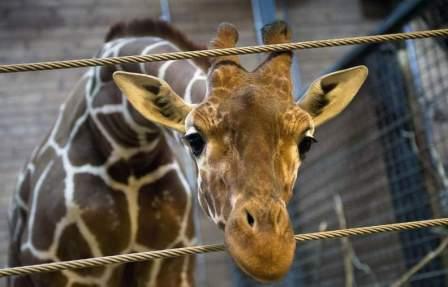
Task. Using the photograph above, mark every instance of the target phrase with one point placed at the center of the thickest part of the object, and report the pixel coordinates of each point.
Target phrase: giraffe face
(248, 139)
(248, 148)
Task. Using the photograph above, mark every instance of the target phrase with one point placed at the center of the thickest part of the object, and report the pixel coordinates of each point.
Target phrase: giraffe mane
(157, 28)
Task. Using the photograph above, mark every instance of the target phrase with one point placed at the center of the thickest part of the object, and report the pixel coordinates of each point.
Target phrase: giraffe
(105, 180)
(248, 138)
(116, 155)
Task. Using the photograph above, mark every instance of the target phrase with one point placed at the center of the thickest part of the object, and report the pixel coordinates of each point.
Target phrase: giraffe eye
(195, 142)
(305, 145)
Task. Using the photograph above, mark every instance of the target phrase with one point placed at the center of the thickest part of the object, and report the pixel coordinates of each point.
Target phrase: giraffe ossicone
(112, 178)
(248, 137)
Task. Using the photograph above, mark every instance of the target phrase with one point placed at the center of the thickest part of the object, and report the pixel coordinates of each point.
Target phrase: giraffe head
(248, 138)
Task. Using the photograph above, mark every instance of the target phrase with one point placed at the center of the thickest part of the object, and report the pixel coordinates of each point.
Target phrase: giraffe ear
(154, 99)
(331, 93)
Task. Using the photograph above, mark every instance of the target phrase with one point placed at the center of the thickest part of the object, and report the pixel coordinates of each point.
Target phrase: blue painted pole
(264, 12)
(165, 10)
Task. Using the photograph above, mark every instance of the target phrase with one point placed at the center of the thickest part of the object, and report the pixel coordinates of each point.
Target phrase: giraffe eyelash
(305, 145)
(195, 141)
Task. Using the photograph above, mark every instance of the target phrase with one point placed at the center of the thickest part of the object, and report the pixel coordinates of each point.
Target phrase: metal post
(296, 75)
(165, 10)
(264, 12)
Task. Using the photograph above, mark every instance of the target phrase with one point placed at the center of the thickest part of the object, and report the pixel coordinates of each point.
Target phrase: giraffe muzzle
(260, 239)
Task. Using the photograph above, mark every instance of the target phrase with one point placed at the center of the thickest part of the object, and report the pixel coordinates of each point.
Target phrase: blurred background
(384, 160)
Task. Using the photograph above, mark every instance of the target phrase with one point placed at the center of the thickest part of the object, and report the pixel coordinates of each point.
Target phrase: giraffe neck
(113, 119)
(101, 151)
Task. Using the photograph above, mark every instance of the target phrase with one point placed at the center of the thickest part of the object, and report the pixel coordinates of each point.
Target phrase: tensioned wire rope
(176, 252)
(182, 55)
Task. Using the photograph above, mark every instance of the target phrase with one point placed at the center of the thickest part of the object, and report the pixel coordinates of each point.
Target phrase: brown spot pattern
(139, 119)
(84, 149)
(74, 108)
(137, 274)
(171, 270)
(118, 129)
(141, 163)
(109, 94)
(43, 157)
(105, 212)
(24, 189)
(76, 247)
(162, 205)
(17, 224)
(53, 279)
(179, 74)
(51, 195)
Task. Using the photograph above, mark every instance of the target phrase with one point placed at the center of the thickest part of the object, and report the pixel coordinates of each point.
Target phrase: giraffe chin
(266, 252)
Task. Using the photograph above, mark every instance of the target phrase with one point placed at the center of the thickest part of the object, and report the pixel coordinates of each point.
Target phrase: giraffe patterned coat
(107, 181)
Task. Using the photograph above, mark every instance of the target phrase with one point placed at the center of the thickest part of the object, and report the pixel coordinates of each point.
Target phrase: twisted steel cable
(67, 64)
(168, 253)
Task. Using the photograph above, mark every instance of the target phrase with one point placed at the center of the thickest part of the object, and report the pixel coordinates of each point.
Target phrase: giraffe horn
(277, 32)
(278, 64)
(226, 37)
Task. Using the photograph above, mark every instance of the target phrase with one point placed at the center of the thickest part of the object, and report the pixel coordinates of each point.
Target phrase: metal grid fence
(383, 160)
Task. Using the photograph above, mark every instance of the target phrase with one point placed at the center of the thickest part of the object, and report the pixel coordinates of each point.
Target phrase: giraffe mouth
(261, 241)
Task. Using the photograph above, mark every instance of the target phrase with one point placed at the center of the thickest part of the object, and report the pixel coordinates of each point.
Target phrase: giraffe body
(107, 181)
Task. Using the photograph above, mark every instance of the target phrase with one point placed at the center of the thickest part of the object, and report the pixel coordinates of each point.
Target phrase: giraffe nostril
(279, 216)
(250, 219)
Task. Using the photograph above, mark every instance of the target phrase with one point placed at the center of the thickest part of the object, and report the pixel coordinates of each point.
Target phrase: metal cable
(168, 253)
(67, 64)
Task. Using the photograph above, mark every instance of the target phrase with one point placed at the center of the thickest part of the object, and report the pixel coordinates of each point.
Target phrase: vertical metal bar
(165, 10)
(297, 79)
(264, 12)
